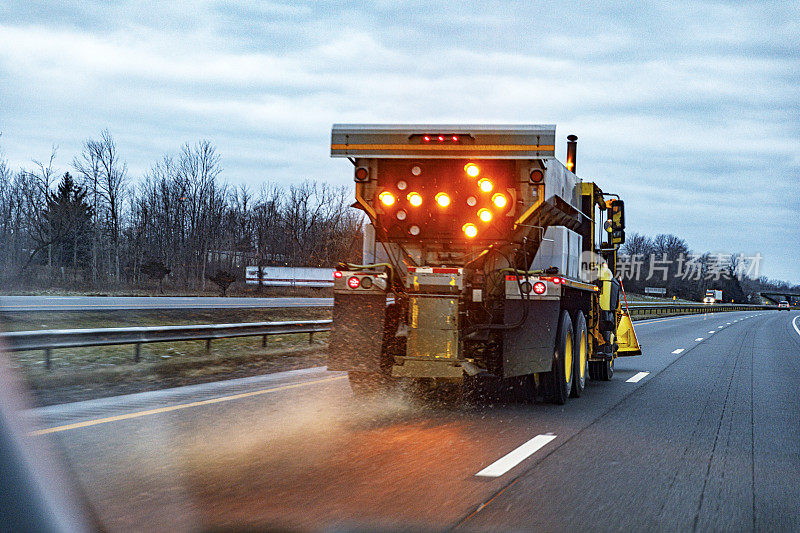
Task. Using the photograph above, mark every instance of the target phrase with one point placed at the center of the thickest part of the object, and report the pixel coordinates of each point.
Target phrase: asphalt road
(699, 433)
(114, 303)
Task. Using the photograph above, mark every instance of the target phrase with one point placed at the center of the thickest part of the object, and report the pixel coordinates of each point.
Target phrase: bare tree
(104, 175)
(35, 187)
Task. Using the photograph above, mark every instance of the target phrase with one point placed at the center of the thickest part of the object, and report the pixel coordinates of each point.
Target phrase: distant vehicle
(277, 276)
(783, 305)
(712, 296)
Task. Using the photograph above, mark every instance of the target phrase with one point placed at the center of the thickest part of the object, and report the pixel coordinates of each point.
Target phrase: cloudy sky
(688, 110)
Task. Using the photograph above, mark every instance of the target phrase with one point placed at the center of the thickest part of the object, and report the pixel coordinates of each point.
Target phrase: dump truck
(484, 259)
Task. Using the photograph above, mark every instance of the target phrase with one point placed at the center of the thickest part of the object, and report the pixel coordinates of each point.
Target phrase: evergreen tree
(68, 216)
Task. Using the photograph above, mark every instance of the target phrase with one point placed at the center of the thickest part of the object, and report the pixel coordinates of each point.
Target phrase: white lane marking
(711, 332)
(637, 378)
(720, 327)
(727, 323)
(794, 324)
(698, 339)
(515, 457)
(679, 350)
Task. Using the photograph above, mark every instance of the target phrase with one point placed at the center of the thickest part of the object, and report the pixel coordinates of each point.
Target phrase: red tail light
(539, 287)
(337, 274)
(353, 282)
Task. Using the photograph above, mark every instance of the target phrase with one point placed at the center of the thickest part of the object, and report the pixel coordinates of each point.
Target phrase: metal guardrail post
(47, 364)
(137, 352)
(208, 345)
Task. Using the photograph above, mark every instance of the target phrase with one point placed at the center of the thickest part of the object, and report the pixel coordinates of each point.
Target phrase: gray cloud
(687, 109)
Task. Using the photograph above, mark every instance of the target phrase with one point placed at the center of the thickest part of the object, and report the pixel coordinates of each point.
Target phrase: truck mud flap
(357, 335)
(529, 348)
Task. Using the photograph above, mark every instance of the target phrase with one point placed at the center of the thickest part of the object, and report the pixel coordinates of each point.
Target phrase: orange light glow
(485, 185)
(386, 198)
(499, 200)
(485, 215)
(472, 170)
(415, 199)
(442, 199)
(470, 230)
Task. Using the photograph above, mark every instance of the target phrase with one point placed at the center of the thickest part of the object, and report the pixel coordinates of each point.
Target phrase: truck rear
(712, 296)
(484, 258)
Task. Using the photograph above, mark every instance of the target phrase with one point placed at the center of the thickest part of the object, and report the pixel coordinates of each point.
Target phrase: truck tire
(581, 356)
(601, 370)
(559, 379)
(368, 384)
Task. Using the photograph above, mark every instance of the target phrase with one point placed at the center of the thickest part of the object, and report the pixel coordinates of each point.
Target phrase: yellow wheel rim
(568, 358)
(582, 360)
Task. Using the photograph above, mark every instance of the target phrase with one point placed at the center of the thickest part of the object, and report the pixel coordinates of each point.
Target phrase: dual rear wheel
(570, 360)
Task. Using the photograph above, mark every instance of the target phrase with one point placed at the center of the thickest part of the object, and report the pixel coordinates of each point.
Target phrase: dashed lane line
(679, 350)
(698, 339)
(515, 457)
(637, 377)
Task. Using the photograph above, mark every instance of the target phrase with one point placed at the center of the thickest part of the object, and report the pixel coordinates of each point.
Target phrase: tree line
(665, 261)
(92, 226)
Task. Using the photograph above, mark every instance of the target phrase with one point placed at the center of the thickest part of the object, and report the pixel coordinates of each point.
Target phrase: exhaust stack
(572, 146)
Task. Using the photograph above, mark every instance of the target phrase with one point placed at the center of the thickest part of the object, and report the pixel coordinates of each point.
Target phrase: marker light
(539, 287)
(426, 138)
(441, 138)
(470, 230)
(536, 176)
(472, 170)
(414, 199)
(402, 185)
(414, 230)
(485, 215)
(442, 199)
(455, 138)
(401, 215)
(353, 282)
(387, 198)
(499, 200)
(485, 185)
(471, 201)
(337, 274)
(556, 280)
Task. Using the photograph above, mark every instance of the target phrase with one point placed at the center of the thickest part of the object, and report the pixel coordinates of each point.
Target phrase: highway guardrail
(639, 310)
(50, 339)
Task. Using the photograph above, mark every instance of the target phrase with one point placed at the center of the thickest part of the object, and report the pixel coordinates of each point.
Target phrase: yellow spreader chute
(627, 343)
